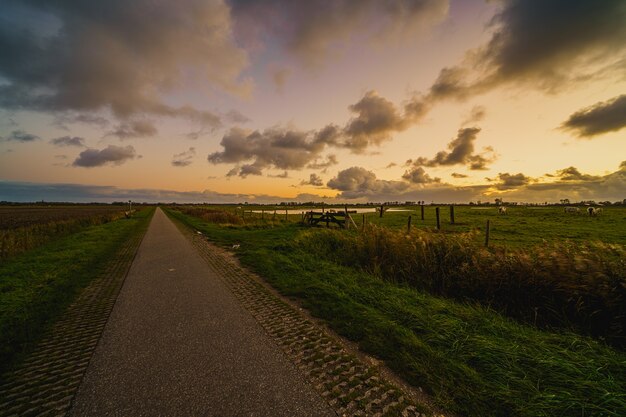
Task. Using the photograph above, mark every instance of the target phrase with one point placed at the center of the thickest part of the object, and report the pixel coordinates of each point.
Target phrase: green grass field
(36, 286)
(471, 359)
(521, 226)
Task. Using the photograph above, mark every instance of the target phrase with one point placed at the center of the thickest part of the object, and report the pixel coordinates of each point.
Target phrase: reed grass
(578, 286)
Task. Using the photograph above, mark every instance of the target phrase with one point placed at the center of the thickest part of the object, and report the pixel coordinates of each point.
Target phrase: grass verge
(37, 286)
(472, 360)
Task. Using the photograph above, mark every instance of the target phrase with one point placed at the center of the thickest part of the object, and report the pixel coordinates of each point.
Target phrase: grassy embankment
(36, 286)
(472, 360)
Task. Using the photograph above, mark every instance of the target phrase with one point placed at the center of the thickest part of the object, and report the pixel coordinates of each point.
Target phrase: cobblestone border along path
(350, 386)
(45, 383)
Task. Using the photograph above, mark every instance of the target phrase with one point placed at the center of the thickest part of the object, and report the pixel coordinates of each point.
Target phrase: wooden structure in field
(340, 218)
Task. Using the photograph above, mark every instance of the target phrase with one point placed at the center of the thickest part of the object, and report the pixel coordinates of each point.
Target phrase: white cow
(572, 209)
(501, 210)
(594, 211)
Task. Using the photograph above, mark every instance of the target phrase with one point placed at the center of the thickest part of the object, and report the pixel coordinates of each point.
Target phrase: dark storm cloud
(20, 136)
(134, 129)
(543, 43)
(116, 55)
(68, 141)
(314, 180)
(113, 155)
(603, 117)
(460, 152)
(184, 159)
(419, 176)
(313, 28)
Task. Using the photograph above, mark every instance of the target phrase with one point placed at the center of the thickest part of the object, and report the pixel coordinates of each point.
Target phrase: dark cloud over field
(184, 159)
(312, 29)
(375, 120)
(357, 182)
(273, 148)
(603, 117)
(116, 55)
(547, 44)
(506, 181)
(112, 155)
(419, 176)
(68, 141)
(20, 136)
(460, 152)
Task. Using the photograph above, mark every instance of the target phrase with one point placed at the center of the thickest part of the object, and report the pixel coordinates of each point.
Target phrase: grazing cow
(501, 210)
(572, 209)
(594, 211)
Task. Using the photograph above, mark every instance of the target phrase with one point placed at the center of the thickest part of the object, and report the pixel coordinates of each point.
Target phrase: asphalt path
(178, 343)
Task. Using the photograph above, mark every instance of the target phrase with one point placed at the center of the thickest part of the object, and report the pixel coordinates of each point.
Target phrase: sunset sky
(340, 101)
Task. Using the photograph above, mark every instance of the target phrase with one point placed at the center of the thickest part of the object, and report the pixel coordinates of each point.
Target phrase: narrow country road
(178, 343)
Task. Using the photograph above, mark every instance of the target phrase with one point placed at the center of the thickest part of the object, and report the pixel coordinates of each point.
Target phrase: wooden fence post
(286, 218)
(346, 225)
(274, 217)
(452, 214)
(408, 225)
(382, 210)
(437, 214)
(422, 207)
(487, 235)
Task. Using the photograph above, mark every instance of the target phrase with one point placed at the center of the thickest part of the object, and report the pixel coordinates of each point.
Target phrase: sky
(224, 101)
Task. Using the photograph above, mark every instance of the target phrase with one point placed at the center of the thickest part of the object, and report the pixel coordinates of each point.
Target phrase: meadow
(23, 228)
(37, 284)
(533, 325)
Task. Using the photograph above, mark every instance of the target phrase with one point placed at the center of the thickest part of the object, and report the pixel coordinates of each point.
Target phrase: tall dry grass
(563, 285)
(211, 215)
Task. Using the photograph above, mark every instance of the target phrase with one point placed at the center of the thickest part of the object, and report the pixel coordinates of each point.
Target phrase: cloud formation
(544, 44)
(419, 176)
(111, 155)
(603, 117)
(314, 180)
(134, 129)
(184, 159)
(573, 174)
(20, 136)
(461, 152)
(457, 175)
(278, 148)
(506, 181)
(376, 117)
(357, 182)
(120, 56)
(311, 30)
(68, 141)
(375, 120)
